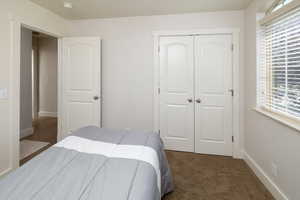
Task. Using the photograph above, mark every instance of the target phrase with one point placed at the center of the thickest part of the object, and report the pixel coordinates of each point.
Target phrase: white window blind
(279, 71)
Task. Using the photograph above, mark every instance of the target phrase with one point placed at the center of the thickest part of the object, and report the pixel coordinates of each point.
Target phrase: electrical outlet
(274, 169)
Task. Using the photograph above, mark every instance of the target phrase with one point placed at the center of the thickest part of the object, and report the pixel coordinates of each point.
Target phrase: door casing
(14, 87)
(237, 130)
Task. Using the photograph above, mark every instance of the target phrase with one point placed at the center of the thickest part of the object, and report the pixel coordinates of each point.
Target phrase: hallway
(45, 130)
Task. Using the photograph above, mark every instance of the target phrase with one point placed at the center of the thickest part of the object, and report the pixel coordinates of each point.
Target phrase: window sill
(279, 118)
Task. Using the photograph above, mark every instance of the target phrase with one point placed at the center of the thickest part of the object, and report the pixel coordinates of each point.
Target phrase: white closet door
(213, 105)
(177, 93)
(81, 68)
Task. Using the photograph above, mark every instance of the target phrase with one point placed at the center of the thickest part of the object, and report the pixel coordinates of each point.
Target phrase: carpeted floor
(45, 130)
(204, 177)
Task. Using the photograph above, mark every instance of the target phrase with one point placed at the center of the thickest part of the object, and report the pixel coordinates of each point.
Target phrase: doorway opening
(38, 93)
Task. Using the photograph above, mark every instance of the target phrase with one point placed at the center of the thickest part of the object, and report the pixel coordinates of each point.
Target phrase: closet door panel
(213, 107)
(177, 93)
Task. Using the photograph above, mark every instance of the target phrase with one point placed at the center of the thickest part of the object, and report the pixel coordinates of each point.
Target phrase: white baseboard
(5, 172)
(47, 114)
(264, 178)
(26, 132)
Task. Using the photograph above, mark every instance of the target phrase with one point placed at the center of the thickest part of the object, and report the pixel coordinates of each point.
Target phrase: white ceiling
(85, 9)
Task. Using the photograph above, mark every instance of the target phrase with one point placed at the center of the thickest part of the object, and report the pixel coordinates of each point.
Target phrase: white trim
(264, 178)
(26, 132)
(14, 103)
(156, 81)
(47, 114)
(14, 88)
(5, 172)
(237, 146)
(59, 90)
(195, 32)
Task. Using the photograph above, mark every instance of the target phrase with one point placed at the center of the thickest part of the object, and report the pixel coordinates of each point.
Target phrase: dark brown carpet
(45, 130)
(204, 177)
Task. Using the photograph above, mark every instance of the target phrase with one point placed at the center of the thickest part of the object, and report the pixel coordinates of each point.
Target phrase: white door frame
(237, 144)
(14, 86)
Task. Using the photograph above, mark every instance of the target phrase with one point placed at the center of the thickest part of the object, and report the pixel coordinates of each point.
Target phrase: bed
(94, 164)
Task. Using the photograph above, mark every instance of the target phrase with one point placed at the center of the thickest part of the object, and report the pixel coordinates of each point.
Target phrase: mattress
(94, 164)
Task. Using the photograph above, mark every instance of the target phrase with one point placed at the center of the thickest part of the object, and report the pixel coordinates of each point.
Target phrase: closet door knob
(198, 100)
(96, 98)
(190, 100)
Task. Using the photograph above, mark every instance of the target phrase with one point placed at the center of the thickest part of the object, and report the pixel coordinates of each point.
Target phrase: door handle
(190, 100)
(96, 98)
(198, 100)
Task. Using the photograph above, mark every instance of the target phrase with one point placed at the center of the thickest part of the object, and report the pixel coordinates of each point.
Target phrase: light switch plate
(3, 93)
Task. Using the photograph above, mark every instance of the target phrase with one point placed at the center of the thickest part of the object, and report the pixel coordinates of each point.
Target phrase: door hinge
(158, 90)
(159, 131)
(232, 92)
(158, 49)
(232, 138)
(232, 47)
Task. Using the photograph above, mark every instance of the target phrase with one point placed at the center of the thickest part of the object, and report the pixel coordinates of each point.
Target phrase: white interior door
(213, 99)
(81, 74)
(177, 93)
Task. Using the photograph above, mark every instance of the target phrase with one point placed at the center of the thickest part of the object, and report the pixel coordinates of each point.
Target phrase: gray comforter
(65, 174)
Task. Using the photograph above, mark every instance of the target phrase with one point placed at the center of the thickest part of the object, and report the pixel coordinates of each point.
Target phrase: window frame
(270, 16)
(276, 4)
(283, 117)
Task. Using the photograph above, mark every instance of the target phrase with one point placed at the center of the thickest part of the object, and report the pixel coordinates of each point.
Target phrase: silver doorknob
(190, 100)
(96, 98)
(198, 100)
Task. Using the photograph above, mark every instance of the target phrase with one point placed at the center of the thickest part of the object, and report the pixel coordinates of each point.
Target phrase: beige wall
(48, 76)
(33, 15)
(26, 82)
(127, 60)
(266, 140)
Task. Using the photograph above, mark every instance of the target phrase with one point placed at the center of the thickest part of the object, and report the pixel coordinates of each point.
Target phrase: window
(277, 5)
(279, 71)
